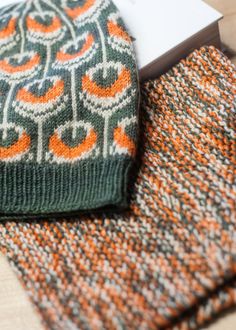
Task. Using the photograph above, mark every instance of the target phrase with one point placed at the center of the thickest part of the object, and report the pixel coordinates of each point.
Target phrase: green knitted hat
(68, 107)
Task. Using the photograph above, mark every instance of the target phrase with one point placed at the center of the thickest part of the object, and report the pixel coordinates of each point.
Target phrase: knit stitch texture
(68, 107)
(170, 262)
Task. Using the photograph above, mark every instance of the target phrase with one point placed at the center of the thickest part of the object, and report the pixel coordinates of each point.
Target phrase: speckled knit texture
(68, 107)
(169, 262)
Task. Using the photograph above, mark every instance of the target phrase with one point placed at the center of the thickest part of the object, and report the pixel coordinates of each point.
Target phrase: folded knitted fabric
(68, 107)
(170, 262)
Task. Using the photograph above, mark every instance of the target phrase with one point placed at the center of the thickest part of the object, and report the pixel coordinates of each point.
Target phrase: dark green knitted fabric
(68, 107)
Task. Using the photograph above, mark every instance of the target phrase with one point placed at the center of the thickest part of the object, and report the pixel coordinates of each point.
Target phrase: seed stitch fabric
(170, 261)
(68, 107)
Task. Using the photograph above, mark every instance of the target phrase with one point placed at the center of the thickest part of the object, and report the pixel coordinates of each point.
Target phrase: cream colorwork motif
(49, 51)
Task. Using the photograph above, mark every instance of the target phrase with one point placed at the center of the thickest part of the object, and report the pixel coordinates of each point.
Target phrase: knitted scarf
(169, 262)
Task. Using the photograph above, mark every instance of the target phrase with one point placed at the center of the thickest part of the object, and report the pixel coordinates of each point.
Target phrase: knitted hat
(68, 106)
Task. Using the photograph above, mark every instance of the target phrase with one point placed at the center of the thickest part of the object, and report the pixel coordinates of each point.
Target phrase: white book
(159, 26)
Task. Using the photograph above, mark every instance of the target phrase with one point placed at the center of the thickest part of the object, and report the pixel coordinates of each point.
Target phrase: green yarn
(68, 107)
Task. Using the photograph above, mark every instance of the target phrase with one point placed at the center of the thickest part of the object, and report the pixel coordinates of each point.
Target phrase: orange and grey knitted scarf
(169, 262)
